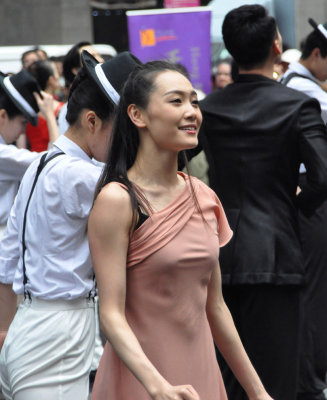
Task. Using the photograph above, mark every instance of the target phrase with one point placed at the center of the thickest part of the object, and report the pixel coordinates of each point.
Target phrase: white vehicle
(10, 56)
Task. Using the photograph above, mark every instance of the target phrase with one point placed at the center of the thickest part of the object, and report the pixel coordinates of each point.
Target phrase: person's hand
(45, 104)
(182, 392)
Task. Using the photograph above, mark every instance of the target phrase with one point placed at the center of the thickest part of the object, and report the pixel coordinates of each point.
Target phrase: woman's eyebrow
(180, 92)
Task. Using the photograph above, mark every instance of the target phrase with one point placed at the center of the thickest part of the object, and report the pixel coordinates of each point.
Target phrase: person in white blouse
(308, 74)
(44, 254)
(20, 101)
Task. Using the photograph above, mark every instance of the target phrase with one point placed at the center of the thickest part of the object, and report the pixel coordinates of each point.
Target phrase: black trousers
(268, 320)
(313, 355)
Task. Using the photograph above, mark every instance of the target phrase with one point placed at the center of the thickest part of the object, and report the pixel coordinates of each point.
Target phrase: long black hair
(124, 141)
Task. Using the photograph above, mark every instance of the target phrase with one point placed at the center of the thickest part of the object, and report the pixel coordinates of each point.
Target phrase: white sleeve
(14, 161)
(77, 196)
(10, 247)
(311, 89)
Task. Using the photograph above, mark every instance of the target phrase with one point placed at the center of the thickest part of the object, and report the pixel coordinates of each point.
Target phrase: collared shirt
(57, 259)
(13, 164)
(306, 86)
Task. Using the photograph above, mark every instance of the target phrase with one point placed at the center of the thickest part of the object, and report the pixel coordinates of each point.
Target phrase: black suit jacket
(255, 134)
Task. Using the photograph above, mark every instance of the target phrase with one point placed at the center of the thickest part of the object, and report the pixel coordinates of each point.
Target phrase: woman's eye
(176, 101)
(196, 102)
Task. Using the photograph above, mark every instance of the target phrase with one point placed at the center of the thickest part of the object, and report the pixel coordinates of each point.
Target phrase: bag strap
(284, 81)
(42, 164)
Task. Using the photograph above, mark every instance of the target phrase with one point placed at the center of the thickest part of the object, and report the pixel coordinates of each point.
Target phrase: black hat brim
(122, 65)
(316, 28)
(313, 23)
(33, 120)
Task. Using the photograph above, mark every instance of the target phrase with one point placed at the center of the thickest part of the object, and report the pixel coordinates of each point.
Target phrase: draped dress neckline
(162, 226)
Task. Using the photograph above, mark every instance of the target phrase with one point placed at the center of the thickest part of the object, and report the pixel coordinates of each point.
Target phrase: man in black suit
(255, 134)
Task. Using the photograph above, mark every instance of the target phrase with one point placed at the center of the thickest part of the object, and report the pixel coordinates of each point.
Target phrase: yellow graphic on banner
(148, 37)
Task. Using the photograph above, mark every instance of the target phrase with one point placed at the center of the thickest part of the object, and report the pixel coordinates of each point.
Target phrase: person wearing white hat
(20, 101)
(307, 74)
(44, 254)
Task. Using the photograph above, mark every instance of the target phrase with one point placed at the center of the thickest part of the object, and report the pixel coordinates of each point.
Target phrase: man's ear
(276, 47)
(136, 116)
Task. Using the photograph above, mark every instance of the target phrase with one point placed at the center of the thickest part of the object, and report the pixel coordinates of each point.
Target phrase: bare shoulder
(112, 208)
(113, 194)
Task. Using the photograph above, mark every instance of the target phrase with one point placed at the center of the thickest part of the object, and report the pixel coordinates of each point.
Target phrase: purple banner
(179, 35)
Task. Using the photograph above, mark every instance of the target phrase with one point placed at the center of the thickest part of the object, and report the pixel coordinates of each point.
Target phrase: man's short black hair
(248, 33)
(313, 41)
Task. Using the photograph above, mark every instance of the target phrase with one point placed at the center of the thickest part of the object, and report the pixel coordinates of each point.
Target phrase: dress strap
(142, 217)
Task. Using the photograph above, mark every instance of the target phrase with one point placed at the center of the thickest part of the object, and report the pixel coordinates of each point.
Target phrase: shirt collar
(301, 69)
(253, 78)
(2, 140)
(70, 148)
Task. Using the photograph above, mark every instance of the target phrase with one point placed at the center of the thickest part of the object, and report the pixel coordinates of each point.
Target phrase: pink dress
(170, 261)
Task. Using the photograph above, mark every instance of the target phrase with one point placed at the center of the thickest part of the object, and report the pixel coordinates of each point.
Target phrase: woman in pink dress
(154, 236)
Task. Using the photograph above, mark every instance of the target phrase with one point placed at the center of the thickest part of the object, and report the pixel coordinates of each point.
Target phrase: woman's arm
(108, 231)
(46, 108)
(229, 342)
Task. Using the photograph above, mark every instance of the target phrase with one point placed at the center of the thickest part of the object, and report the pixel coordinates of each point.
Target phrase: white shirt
(57, 259)
(306, 86)
(13, 164)
(63, 124)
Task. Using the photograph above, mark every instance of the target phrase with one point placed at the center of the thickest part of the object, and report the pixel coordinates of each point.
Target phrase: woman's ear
(90, 120)
(316, 53)
(136, 116)
(3, 114)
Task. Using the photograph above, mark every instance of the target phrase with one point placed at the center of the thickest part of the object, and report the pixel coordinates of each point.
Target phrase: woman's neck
(158, 170)
(157, 179)
(78, 136)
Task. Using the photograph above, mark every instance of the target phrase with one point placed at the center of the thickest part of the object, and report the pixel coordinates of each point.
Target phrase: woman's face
(12, 128)
(100, 141)
(173, 117)
(55, 81)
(223, 76)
